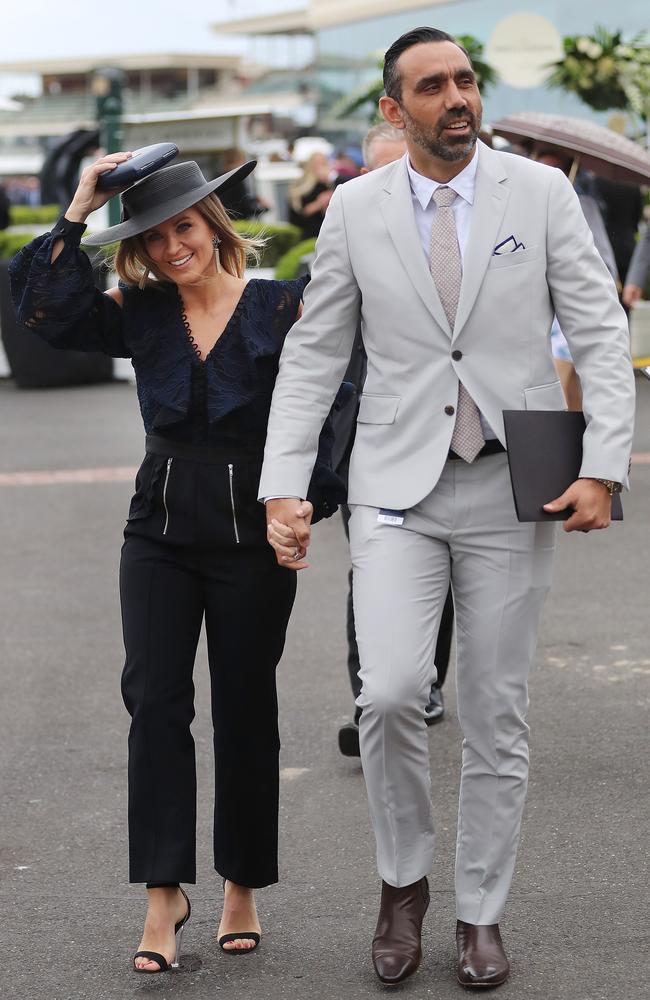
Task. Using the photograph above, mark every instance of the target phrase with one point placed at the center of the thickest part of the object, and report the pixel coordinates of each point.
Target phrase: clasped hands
(288, 523)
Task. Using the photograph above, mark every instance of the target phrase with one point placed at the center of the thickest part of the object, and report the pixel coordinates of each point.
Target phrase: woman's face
(320, 167)
(182, 247)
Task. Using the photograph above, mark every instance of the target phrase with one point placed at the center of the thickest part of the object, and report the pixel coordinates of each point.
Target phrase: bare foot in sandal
(239, 930)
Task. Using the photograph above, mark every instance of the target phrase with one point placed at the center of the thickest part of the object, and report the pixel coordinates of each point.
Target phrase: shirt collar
(463, 183)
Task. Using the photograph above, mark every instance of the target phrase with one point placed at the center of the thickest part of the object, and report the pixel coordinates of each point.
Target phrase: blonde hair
(306, 182)
(134, 265)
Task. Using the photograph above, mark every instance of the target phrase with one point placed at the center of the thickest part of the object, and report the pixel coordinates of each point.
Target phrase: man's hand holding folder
(591, 503)
(545, 456)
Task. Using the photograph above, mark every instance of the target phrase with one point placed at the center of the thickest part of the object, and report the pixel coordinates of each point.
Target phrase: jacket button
(450, 410)
(456, 355)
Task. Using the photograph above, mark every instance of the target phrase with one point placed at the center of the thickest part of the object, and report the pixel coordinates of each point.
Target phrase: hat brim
(169, 208)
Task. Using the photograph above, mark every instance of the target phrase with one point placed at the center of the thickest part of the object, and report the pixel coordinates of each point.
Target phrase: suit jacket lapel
(490, 200)
(397, 209)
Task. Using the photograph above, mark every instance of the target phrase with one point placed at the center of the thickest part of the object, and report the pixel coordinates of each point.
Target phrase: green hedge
(280, 238)
(288, 265)
(33, 215)
(11, 243)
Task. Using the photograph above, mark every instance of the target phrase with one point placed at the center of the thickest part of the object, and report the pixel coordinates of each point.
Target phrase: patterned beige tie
(446, 270)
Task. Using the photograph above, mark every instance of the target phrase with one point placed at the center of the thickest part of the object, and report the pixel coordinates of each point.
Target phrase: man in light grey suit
(455, 259)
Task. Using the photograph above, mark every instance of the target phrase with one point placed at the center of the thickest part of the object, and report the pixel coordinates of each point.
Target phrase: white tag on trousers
(387, 516)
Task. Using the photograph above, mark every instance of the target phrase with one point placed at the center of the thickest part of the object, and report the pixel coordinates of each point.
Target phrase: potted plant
(33, 363)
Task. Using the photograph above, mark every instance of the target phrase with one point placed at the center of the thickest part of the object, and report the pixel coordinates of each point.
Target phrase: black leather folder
(545, 455)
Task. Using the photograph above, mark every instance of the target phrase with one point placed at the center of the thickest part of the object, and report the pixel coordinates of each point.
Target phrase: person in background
(310, 195)
(552, 157)
(345, 167)
(522, 148)
(5, 205)
(639, 270)
(238, 200)
(382, 145)
(622, 210)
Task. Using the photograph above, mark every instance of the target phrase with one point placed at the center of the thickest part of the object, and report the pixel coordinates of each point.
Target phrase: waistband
(212, 455)
(491, 447)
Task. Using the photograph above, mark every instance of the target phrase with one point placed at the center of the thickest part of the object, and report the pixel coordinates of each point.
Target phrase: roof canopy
(315, 14)
(143, 61)
(290, 22)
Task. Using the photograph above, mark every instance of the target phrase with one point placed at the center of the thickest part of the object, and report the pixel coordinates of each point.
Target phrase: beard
(433, 139)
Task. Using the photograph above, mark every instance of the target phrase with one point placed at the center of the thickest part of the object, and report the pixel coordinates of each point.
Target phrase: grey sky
(59, 28)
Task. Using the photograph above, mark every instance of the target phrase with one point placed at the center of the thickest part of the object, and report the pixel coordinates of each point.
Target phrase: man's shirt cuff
(266, 499)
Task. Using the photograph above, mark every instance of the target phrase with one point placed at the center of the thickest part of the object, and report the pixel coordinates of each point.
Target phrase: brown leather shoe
(397, 944)
(481, 958)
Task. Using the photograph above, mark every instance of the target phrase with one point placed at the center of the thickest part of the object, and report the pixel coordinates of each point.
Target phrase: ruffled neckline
(241, 364)
(225, 333)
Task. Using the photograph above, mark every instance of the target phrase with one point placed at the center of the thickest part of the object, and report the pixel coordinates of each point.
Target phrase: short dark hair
(417, 36)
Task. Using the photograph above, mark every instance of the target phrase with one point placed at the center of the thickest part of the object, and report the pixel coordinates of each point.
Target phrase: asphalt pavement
(576, 926)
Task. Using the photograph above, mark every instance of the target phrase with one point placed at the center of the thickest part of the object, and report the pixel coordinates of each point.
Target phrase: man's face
(552, 160)
(384, 151)
(440, 107)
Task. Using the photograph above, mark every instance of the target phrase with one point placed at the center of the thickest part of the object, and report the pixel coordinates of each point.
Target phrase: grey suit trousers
(500, 572)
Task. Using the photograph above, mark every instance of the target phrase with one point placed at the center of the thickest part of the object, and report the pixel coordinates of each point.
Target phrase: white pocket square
(509, 245)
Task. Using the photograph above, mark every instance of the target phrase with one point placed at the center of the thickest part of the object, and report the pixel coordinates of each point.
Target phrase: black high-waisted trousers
(195, 547)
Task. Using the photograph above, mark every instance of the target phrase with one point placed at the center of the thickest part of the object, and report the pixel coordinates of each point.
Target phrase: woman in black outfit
(310, 196)
(205, 347)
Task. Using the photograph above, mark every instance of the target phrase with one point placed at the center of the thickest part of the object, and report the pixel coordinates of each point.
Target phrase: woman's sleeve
(326, 489)
(291, 295)
(59, 301)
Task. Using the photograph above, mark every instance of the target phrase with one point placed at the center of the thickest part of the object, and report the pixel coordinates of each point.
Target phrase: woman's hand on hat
(87, 198)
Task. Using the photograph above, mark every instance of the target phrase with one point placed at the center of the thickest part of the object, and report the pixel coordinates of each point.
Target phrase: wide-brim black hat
(162, 195)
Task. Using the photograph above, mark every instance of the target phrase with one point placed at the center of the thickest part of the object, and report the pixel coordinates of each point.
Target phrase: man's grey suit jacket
(370, 265)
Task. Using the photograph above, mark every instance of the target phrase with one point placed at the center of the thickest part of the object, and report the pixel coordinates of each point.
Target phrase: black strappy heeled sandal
(238, 936)
(155, 956)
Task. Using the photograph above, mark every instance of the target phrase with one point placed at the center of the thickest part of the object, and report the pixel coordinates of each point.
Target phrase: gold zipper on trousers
(164, 496)
(231, 471)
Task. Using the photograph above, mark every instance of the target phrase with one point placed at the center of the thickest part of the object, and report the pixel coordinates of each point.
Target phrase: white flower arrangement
(606, 71)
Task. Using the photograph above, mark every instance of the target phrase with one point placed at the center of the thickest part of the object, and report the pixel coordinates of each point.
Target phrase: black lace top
(224, 400)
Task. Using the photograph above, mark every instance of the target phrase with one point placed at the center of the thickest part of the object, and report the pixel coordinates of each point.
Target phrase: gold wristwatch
(612, 487)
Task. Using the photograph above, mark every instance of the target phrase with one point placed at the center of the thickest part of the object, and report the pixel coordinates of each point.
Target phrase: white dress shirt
(424, 208)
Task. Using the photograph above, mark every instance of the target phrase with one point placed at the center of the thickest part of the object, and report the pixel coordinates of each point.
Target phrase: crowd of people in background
(22, 190)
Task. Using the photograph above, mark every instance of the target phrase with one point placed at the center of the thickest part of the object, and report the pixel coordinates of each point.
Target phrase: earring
(142, 284)
(216, 242)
